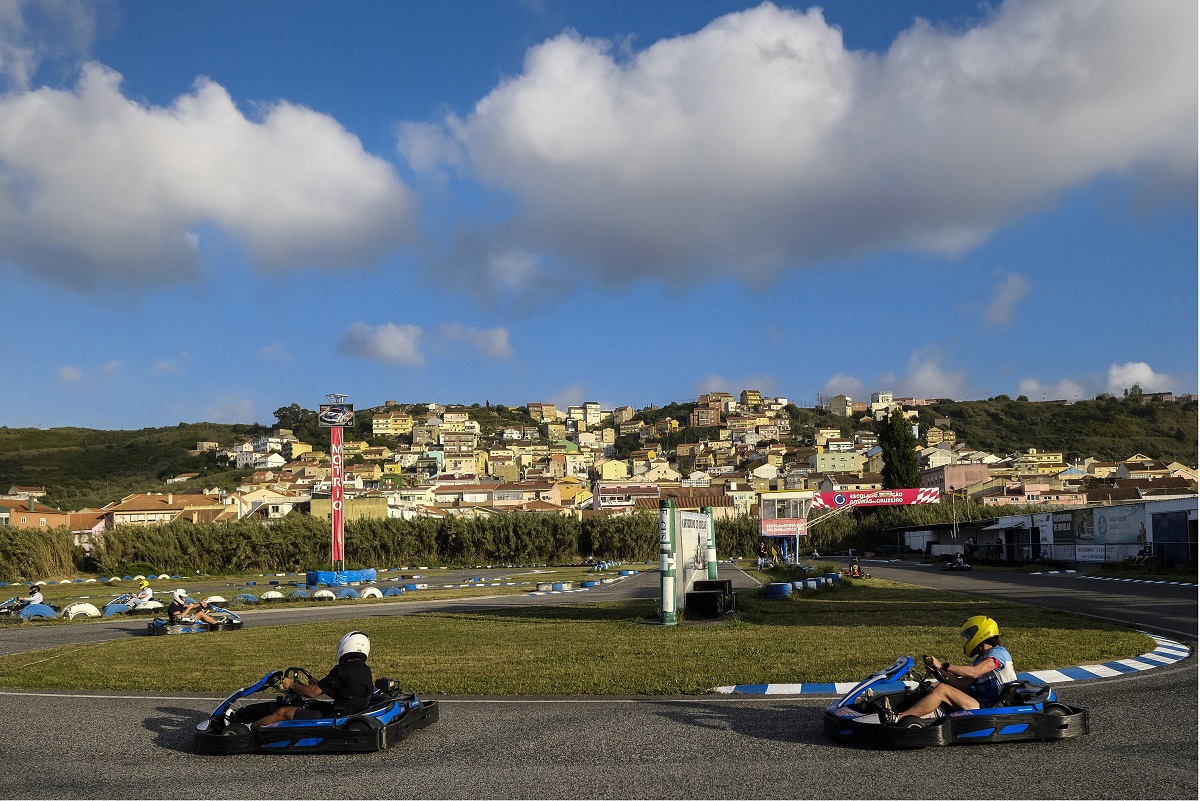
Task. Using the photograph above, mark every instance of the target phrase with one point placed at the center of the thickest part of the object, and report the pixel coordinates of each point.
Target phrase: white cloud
(491, 342)
(70, 375)
(230, 409)
(164, 365)
(388, 343)
(1068, 389)
(924, 377)
(275, 352)
(761, 142)
(1123, 376)
(294, 188)
(844, 384)
(36, 31)
(570, 396)
(1010, 291)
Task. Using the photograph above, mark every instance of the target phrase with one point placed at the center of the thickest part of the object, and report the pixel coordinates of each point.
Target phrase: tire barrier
(324, 595)
(214, 599)
(80, 609)
(371, 592)
(298, 593)
(272, 595)
(246, 597)
(347, 592)
(779, 589)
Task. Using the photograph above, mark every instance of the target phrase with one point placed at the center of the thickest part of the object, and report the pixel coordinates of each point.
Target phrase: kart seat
(1020, 693)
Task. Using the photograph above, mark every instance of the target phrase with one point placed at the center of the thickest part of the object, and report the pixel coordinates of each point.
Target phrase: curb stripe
(1168, 652)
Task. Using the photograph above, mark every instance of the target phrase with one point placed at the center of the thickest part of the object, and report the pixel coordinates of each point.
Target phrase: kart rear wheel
(1056, 709)
(911, 722)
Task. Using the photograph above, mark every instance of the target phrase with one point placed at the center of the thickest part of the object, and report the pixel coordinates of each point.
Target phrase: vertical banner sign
(337, 494)
(666, 553)
(712, 543)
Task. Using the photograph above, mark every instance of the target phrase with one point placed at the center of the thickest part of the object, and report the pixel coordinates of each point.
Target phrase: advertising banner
(335, 415)
(337, 494)
(894, 497)
(784, 527)
(1120, 524)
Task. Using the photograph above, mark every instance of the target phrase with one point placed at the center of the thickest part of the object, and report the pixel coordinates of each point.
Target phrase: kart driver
(968, 686)
(34, 597)
(349, 684)
(143, 594)
(958, 560)
(179, 608)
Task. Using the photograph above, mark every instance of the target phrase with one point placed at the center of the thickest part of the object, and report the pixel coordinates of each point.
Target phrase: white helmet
(354, 643)
(180, 595)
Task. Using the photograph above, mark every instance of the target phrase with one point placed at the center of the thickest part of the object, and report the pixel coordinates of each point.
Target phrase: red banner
(894, 497)
(783, 527)
(337, 494)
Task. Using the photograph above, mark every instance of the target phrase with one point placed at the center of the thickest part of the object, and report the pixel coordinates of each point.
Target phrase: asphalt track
(1143, 742)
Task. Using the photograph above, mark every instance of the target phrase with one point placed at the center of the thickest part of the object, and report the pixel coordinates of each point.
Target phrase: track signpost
(687, 549)
(334, 415)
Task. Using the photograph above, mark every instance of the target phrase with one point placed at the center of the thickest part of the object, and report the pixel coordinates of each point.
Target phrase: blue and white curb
(1167, 652)
(1050, 572)
(1140, 581)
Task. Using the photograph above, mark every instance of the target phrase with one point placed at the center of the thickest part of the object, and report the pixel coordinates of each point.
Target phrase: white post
(666, 554)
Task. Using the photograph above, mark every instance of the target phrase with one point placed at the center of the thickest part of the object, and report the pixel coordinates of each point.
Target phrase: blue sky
(211, 210)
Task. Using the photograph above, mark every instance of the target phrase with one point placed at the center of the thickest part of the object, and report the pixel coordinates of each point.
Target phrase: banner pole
(666, 554)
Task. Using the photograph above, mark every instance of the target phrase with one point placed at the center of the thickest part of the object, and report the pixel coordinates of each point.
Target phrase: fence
(1170, 553)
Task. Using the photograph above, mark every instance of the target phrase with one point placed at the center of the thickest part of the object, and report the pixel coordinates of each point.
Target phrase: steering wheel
(300, 676)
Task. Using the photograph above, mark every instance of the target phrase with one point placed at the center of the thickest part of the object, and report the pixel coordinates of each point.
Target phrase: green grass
(594, 649)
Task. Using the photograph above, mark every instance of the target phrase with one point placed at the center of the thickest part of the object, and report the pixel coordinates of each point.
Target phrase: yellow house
(612, 470)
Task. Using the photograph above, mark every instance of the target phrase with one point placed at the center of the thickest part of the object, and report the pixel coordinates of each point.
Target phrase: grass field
(594, 649)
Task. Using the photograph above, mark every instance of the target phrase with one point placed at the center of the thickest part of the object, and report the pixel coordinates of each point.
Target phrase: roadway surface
(1143, 742)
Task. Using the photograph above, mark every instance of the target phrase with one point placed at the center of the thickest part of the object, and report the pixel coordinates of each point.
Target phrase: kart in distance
(229, 621)
(1026, 711)
(18, 609)
(390, 715)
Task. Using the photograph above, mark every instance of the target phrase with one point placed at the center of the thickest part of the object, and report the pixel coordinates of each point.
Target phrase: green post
(712, 543)
(666, 554)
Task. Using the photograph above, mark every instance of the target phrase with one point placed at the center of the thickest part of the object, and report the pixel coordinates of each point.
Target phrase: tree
(1134, 394)
(899, 446)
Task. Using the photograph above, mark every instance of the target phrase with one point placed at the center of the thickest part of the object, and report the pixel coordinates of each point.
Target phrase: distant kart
(1026, 711)
(390, 716)
(230, 622)
(956, 566)
(16, 609)
(126, 605)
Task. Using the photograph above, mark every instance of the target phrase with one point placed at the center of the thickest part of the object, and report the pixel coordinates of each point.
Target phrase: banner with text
(894, 497)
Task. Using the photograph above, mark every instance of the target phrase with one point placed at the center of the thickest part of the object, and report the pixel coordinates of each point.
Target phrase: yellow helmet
(975, 631)
(143, 585)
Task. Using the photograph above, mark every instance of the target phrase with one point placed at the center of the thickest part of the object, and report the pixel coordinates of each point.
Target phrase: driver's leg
(941, 693)
(283, 712)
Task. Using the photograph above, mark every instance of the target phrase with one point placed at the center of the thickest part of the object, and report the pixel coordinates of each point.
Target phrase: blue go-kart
(18, 609)
(1025, 711)
(390, 715)
(228, 621)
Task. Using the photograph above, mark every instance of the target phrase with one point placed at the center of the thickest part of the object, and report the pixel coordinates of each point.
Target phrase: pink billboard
(783, 527)
(893, 497)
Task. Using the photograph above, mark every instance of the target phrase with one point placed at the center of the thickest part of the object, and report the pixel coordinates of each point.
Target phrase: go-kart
(18, 609)
(956, 565)
(127, 605)
(189, 625)
(1025, 711)
(390, 715)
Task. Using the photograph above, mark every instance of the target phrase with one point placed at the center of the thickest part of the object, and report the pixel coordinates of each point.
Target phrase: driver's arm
(973, 672)
(307, 690)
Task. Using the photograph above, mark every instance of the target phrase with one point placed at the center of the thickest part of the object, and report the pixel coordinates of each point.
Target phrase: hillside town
(441, 463)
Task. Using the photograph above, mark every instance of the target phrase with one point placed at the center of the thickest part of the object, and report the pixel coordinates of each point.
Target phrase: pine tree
(899, 446)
